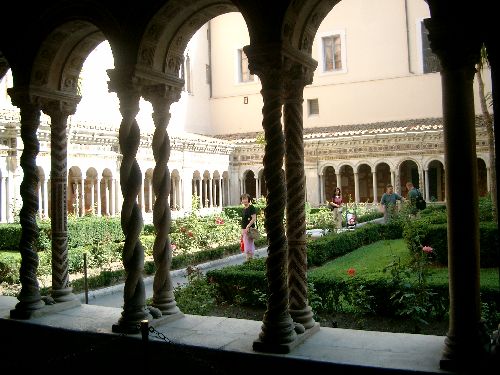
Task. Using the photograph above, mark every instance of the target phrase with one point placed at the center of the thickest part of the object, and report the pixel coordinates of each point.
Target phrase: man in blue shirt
(388, 202)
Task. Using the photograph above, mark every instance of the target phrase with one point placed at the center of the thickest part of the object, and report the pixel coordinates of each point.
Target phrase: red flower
(190, 234)
(351, 272)
(219, 221)
(183, 229)
(427, 249)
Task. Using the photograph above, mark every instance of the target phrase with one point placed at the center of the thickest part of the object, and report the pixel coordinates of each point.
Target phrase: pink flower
(427, 249)
(351, 272)
(173, 247)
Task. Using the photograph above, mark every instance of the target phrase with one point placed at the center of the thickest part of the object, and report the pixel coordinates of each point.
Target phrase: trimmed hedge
(419, 233)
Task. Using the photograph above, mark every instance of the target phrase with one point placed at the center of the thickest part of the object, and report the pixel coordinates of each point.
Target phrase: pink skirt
(249, 245)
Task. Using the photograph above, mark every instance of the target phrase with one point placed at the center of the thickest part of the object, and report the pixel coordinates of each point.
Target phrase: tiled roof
(388, 127)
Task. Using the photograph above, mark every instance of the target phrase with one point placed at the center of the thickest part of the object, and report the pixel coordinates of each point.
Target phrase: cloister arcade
(148, 40)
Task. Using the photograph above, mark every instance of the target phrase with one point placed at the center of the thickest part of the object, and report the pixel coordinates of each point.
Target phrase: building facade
(368, 122)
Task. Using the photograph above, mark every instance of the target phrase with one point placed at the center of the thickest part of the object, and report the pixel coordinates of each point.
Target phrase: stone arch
(148, 193)
(346, 172)
(383, 177)
(196, 188)
(302, 20)
(262, 183)
(435, 181)
(365, 182)
(329, 182)
(249, 183)
(43, 193)
(106, 192)
(92, 191)
(74, 196)
(408, 171)
(62, 54)
(175, 191)
(166, 35)
(205, 191)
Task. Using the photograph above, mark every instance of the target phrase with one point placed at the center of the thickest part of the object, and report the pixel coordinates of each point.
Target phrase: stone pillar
(3, 201)
(374, 181)
(92, 196)
(278, 330)
(209, 193)
(29, 297)
(40, 199)
(298, 74)
(458, 53)
(356, 187)
(150, 193)
(83, 196)
(426, 179)
(106, 196)
(321, 189)
(59, 112)
(45, 199)
(339, 183)
(220, 192)
(8, 211)
(99, 202)
(134, 311)
(161, 97)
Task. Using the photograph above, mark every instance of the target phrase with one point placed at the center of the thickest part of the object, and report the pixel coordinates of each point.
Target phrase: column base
(284, 348)
(44, 310)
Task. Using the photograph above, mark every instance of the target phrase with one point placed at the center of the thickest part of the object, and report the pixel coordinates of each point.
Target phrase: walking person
(336, 207)
(388, 202)
(248, 220)
(412, 196)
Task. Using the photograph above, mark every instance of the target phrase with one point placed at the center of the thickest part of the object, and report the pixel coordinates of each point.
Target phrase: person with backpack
(415, 199)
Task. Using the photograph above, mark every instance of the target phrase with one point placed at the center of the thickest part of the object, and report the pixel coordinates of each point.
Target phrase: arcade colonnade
(148, 55)
(93, 183)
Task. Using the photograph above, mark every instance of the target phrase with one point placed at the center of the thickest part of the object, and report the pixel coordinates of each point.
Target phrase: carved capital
(161, 95)
(266, 61)
(296, 76)
(456, 46)
(23, 98)
(125, 83)
(57, 108)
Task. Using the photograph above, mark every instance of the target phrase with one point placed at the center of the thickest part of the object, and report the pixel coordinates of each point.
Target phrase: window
(244, 72)
(332, 52)
(430, 62)
(313, 107)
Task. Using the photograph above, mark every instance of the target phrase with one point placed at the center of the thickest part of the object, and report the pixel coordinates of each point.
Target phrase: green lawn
(369, 262)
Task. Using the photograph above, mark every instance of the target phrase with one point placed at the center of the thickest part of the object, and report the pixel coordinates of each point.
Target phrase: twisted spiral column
(29, 297)
(278, 326)
(295, 81)
(59, 112)
(161, 97)
(134, 308)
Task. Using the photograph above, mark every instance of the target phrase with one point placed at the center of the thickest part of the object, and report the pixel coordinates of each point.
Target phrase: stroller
(351, 219)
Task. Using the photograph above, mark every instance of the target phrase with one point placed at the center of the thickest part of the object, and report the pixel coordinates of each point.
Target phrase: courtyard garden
(390, 277)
